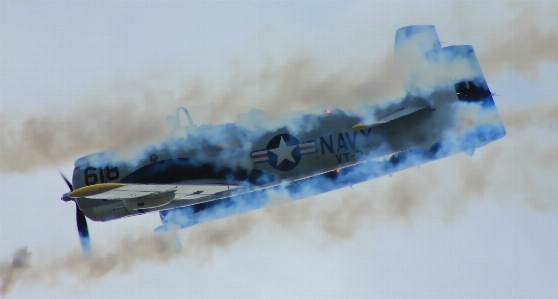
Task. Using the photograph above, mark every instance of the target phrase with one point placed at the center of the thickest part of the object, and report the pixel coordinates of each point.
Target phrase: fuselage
(450, 112)
(333, 141)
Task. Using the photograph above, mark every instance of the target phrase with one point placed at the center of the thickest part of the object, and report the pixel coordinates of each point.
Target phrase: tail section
(450, 79)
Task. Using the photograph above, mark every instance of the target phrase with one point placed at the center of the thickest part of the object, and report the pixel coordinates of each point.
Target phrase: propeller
(83, 231)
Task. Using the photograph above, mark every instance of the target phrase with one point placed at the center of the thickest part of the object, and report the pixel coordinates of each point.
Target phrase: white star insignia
(284, 152)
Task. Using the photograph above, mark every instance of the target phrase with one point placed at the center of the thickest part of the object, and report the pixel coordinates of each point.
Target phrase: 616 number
(92, 175)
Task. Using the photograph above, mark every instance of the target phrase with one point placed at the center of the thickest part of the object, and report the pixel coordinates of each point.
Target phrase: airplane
(207, 172)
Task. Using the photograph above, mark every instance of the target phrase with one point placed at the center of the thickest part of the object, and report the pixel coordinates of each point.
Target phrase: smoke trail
(131, 111)
(406, 197)
(137, 115)
(441, 190)
(10, 270)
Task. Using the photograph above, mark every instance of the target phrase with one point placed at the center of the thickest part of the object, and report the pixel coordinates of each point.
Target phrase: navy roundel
(283, 152)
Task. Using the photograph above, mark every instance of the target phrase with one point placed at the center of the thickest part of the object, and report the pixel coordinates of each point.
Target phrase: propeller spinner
(83, 231)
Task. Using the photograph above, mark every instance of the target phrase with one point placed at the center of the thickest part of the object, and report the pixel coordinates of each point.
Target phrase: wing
(143, 196)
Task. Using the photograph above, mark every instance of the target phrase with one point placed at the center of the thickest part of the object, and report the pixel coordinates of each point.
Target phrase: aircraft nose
(65, 197)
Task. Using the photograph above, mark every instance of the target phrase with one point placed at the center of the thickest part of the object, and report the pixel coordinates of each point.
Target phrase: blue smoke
(453, 112)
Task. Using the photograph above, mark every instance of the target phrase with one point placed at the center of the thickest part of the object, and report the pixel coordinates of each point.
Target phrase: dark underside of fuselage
(183, 170)
(307, 187)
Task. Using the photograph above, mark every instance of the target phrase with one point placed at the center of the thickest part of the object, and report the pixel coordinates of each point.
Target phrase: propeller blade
(81, 221)
(67, 182)
(83, 232)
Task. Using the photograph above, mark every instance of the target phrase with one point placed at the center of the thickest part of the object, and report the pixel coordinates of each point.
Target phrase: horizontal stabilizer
(400, 113)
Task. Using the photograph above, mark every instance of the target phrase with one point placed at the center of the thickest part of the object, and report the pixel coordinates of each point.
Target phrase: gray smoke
(11, 269)
(513, 168)
(130, 112)
(525, 42)
(59, 135)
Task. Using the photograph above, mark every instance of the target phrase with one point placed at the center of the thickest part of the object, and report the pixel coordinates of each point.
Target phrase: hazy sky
(78, 77)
